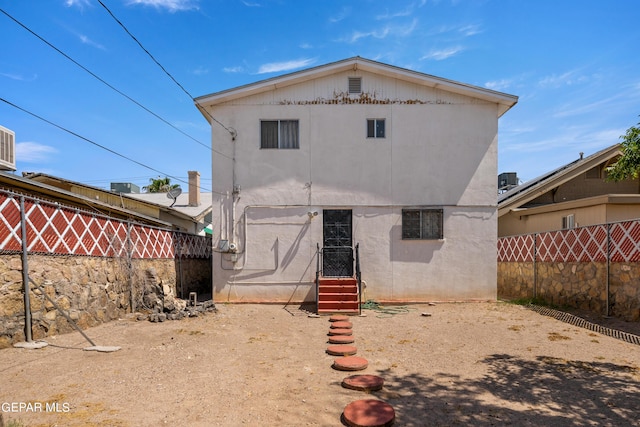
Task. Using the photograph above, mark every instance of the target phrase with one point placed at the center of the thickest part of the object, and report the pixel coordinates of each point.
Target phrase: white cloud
(470, 30)
(499, 84)
(32, 152)
(170, 5)
(441, 54)
(341, 15)
(78, 3)
(19, 77)
(275, 67)
(565, 79)
(384, 32)
(200, 71)
(86, 40)
(251, 4)
(238, 69)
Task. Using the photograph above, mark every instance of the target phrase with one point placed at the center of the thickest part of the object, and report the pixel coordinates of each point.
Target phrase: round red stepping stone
(363, 382)
(338, 318)
(368, 413)
(350, 363)
(341, 339)
(341, 325)
(340, 331)
(341, 350)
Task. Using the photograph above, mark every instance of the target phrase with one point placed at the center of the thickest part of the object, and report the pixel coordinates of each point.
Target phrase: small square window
(375, 128)
(422, 224)
(282, 134)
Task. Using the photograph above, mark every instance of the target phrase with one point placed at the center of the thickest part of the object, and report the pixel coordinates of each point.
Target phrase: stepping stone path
(341, 325)
(368, 413)
(340, 332)
(341, 350)
(366, 383)
(341, 339)
(359, 413)
(350, 363)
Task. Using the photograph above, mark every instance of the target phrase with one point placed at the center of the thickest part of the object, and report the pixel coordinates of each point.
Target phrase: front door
(337, 255)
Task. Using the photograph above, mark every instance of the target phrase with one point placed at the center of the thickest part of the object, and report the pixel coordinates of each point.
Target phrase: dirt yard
(466, 364)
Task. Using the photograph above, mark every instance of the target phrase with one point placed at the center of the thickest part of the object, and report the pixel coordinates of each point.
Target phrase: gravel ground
(465, 364)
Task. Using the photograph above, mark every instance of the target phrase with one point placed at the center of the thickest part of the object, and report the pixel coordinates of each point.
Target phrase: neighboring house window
(568, 222)
(422, 224)
(355, 84)
(375, 128)
(281, 134)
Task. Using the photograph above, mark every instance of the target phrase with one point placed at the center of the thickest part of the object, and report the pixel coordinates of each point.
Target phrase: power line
(100, 145)
(109, 85)
(228, 129)
(97, 77)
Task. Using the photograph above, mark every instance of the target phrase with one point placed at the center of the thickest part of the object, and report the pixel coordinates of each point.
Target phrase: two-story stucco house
(401, 163)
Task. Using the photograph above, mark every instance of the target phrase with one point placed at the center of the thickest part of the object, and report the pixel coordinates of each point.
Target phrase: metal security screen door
(337, 255)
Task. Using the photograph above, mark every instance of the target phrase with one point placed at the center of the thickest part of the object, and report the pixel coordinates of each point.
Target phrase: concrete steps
(338, 295)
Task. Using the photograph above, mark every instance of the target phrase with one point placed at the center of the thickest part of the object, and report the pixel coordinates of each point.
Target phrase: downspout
(535, 269)
(607, 312)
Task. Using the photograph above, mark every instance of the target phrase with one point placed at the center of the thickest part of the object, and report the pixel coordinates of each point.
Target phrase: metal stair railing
(357, 273)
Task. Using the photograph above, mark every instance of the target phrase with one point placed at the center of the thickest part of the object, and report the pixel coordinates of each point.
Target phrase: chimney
(194, 188)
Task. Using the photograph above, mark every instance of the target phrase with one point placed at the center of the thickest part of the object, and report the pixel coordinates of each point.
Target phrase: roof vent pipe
(581, 155)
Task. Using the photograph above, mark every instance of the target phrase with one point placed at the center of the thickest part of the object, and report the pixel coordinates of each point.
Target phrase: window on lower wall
(422, 224)
(282, 134)
(375, 128)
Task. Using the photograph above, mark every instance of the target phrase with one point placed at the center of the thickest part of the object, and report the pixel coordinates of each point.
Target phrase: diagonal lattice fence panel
(516, 248)
(625, 241)
(62, 230)
(584, 244)
(10, 232)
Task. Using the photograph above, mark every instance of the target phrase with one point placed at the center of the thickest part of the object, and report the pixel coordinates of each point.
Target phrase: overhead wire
(231, 131)
(100, 145)
(109, 85)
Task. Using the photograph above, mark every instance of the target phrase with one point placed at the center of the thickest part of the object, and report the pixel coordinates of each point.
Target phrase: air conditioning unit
(7, 149)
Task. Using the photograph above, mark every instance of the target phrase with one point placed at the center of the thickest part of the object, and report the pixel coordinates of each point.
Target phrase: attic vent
(355, 84)
(7, 149)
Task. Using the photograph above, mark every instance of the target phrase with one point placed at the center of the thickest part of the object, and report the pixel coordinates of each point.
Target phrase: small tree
(628, 165)
(159, 185)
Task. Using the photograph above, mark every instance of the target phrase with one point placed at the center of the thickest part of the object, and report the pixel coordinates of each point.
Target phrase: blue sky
(573, 64)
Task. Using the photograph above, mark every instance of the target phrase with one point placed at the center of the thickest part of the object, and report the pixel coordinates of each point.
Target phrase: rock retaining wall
(90, 290)
(580, 285)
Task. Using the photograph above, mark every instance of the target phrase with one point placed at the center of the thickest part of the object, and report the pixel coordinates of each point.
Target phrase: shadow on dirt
(546, 391)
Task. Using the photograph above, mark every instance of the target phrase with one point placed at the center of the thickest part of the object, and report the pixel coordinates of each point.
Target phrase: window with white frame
(280, 134)
(422, 224)
(375, 128)
(568, 221)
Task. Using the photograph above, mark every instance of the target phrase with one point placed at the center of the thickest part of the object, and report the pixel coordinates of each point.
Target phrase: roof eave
(505, 101)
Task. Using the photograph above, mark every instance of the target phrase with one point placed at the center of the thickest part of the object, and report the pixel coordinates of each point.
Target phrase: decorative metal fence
(614, 242)
(52, 228)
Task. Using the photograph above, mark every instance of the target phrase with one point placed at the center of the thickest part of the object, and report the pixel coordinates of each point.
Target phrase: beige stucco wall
(439, 153)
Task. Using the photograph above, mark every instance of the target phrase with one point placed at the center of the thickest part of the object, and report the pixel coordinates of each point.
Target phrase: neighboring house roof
(520, 195)
(505, 101)
(39, 189)
(145, 204)
(181, 204)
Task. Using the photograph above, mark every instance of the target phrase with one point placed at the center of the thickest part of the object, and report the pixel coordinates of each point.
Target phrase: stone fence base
(90, 290)
(607, 289)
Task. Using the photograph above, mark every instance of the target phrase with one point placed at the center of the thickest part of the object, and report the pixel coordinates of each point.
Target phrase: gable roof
(504, 101)
(518, 196)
